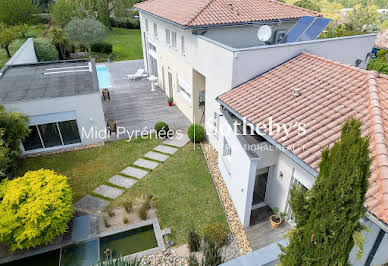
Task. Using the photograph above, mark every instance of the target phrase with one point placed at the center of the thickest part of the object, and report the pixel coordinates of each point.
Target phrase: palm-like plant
(58, 37)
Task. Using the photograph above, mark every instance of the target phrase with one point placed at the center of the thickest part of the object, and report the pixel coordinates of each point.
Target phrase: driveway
(134, 106)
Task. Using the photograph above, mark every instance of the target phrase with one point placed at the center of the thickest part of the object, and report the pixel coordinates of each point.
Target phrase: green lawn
(126, 43)
(34, 31)
(183, 191)
(89, 168)
(182, 187)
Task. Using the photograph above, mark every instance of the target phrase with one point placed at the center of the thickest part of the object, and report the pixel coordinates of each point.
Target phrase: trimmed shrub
(159, 126)
(125, 220)
(34, 208)
(126, 23)
(217, 233)
(212, 255)
(45, 50)
(193, 240)
(196, 133)
(102, 47)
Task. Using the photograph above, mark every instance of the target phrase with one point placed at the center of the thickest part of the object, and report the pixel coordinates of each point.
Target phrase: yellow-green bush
(34, 208)
(217, 233)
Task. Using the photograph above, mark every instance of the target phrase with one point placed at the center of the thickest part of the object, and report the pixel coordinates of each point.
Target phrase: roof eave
(205, 26)
(272, 141)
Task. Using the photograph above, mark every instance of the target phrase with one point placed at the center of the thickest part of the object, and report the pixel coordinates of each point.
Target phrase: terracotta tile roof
(329, 93)
(211, 12)
(382, 39)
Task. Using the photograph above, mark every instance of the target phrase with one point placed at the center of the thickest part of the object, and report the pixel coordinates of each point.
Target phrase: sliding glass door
(52, 135)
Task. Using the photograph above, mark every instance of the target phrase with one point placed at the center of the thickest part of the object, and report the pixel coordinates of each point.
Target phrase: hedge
(102, 47)
(45, 50)
(126, 23)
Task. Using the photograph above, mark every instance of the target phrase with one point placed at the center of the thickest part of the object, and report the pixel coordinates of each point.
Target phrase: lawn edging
(211, 156)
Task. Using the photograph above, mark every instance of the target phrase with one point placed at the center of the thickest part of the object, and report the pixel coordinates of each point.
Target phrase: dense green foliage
(85, 31)
(196, 133)
(308, 4)
(328, 215)
(63, 11)
(127, 23)
(45, 50)
(34, 208)
(363, 15)
(101, 47)
(58, 37)
(7, 36)
(216, 233)
(193, 240)
(13, 12)
(13, 129)
(379, 64)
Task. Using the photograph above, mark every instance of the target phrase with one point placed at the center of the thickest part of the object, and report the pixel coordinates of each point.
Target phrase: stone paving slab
(165, 149)
(156, 156)
(90, 203)
(146, 163)
(135, 172)
(177, 141)
(121, 181)
(108, 192)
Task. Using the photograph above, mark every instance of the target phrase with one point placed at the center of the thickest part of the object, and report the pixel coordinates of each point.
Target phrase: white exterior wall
(25, 54)
(88, 109)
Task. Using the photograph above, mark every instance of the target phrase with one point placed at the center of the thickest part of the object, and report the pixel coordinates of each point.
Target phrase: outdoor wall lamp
(281, 175)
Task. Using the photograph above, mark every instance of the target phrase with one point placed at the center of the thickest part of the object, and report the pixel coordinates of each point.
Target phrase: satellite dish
(264, 33)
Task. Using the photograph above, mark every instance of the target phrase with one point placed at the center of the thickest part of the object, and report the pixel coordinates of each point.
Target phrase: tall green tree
(328, 215)
(308, 4)
(13, 12)
(58, 37)
(7, 36)
(363, 16)
(85, 32)
(106, 8)
(63, 11)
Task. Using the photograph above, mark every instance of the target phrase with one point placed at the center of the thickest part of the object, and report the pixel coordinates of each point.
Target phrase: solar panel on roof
(315, 29)
(307, 28)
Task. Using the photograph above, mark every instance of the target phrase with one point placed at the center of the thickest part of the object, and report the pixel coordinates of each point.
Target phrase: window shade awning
(51, 118)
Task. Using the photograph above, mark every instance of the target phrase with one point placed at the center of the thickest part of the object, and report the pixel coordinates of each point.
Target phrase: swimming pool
(104, 81)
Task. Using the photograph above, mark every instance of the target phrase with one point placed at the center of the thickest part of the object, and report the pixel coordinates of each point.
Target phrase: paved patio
(134, 106)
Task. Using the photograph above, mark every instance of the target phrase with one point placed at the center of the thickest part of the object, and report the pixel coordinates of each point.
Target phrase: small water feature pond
(134, 240)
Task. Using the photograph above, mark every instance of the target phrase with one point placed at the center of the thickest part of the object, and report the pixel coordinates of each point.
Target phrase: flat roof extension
(27, 82)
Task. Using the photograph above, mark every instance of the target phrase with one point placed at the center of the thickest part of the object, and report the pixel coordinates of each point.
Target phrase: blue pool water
(104, 81)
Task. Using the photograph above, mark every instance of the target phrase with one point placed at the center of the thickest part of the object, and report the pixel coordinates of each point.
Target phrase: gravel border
(211, 156)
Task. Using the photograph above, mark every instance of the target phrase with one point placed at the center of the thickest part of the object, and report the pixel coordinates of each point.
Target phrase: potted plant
(170, 100)
(277, 218)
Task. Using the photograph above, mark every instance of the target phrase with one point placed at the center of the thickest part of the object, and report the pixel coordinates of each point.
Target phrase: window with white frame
(227, 155)
(183, 44)
(168, 37)
(184, 90)
(52, 135)
(155, 30)
(146, 24)
(173, 39)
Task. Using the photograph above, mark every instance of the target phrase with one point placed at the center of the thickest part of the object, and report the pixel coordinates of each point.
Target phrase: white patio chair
(139, 74)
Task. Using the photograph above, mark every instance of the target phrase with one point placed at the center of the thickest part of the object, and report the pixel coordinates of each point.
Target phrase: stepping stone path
(177, 141)
(91, 203)
(156, 156)
(165, 149)
(135, 172)
(121, 181)
(108, 192)
(94, 204)
(146, 163)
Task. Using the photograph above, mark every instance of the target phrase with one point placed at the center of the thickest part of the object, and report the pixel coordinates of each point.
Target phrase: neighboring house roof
(194, 13)
(28, 81)
(330, 93)
(382, 39)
